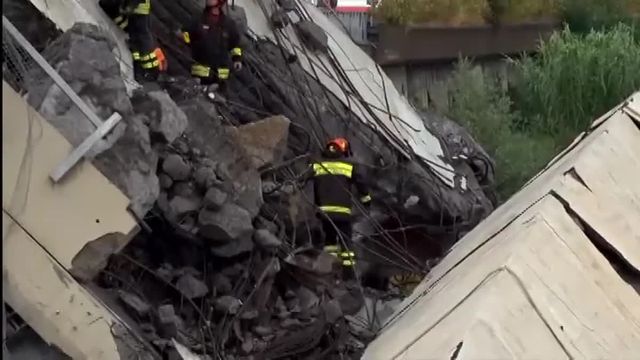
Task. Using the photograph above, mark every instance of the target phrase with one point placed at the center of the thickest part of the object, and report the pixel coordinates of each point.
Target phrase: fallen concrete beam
(66, 216)
(58, 308)
(46, 226)
(552, 273)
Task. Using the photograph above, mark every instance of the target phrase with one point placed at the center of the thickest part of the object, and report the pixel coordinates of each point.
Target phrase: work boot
(349, 273)
(406, 282)
(164, 78)
(210, 91)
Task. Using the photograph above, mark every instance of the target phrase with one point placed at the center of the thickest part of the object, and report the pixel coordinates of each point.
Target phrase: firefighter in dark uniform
(214, 39)
(334, 177)
(133, 16)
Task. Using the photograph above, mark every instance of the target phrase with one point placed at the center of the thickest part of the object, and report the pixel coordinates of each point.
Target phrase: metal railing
(23, 67)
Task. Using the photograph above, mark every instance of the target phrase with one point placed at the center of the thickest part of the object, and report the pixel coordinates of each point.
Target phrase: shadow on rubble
(224, 265)
(266, 303)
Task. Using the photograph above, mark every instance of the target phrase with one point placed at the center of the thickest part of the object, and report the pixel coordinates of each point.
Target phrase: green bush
(485, 110)
(582, 16)
(575, 79)
(556, 95)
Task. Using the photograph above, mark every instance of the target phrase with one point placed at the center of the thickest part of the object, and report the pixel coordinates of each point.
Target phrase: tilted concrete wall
(45, 225)
(532, 280)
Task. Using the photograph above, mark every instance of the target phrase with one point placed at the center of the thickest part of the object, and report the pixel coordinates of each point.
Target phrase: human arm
(234, 44)
(186, 34)
(137, 7)
(110, 7)
(360, 180)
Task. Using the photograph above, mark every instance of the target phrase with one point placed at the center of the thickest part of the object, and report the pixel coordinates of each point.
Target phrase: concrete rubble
(226, 267)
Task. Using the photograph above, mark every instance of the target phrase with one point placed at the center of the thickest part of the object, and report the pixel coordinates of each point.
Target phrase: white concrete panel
(404, 128)
(543, 237)
(65, 13)
(399, 122)
(64, 216)
(59, 309)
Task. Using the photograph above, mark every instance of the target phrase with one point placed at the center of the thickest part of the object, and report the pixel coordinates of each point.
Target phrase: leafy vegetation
(575, 78)
(583, 14)
(556, 95)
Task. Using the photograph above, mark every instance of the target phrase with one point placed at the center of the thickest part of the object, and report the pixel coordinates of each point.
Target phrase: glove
(366, 200)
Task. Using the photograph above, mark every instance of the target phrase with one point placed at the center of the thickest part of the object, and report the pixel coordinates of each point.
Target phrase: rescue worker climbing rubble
(133, 16)
(214, 39)
(334, 176)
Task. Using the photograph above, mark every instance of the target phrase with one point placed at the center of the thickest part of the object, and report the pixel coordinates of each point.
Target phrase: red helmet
(219, 3)
(339, 145)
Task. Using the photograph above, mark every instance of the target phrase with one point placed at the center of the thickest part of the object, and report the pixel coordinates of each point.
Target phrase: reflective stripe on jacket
(333, 183)
(214, 44)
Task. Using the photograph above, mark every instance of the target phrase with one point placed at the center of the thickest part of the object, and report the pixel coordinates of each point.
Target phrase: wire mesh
(17, 64)
(28, 72)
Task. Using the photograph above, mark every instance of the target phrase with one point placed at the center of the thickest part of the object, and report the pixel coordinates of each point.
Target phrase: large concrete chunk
(230, 223)
(84, 58)
(166, 120)
(265, 141)
(234, 167)
(313, 35)
(130, 164)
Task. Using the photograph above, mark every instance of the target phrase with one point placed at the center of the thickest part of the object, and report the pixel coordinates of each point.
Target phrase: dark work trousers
(339, 232)
(141, 40)
(332, 230)
(214, 79)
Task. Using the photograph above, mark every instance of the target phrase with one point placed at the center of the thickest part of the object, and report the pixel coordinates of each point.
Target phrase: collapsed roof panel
(65, 13)
(372, 96)
(46, 225)
(572, 231)
(357, 81)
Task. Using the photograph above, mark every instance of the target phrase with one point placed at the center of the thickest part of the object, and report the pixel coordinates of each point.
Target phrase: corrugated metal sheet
(551, 274)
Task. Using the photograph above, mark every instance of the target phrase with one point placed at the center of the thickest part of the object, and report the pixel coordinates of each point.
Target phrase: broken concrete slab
(332, 310)
(166, 120)
(262, 330)
(227, 305)
(221, 284)
(233, 248)
(125, 155)
(180, 205)
(230, 223)
(249, 315)
(131, 165)
(266, 240)
(313, 35)
(318, 262)
(191, 287)
(205, 177)
(215, 198)
(94, 256)
(290, 323)
(165, 181)
(308, 298)
(264, 141)
(233, 166)
(176, 167)
(167, 322)
(134, 303)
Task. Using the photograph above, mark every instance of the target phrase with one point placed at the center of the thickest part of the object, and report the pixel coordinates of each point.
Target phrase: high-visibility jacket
(133, 16)
(334, 183)
(121, 10)
(215, 43)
